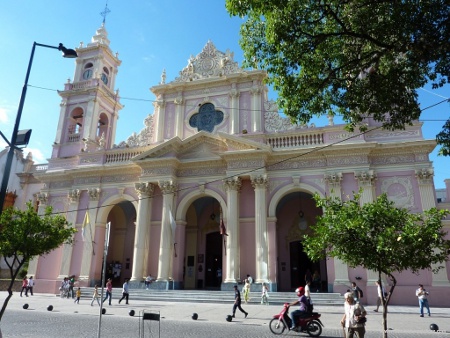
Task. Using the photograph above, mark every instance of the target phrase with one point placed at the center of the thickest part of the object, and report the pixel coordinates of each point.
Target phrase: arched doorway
(296, 212)
(203, 247)
(213, 260)
(119, 260)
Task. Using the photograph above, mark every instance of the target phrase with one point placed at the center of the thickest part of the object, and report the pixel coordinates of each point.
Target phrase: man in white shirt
(422, 295)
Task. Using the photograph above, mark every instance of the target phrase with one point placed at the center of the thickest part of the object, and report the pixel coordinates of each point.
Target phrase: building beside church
(216, 186)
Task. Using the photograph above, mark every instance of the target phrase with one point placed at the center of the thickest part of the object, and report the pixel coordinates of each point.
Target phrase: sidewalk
(400, 318)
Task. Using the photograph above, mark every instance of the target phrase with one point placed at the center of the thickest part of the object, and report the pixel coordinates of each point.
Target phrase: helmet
(300, 291)
(434, 327)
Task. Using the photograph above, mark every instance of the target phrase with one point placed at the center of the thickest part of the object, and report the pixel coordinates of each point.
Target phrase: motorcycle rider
(302, 311)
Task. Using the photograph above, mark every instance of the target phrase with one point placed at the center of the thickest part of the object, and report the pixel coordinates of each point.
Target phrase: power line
(248, 171)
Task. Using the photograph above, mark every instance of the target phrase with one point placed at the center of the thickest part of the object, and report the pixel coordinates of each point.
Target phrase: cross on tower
(105, 12)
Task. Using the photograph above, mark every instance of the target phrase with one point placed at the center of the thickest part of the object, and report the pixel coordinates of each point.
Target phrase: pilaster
(334, 184)
(366, 181)
(234, 95)
(74, 198)
(256, 91)
(160, 106)
(88, 244)
(42, 197)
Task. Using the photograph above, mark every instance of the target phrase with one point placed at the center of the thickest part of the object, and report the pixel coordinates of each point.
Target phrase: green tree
(353, 58)
(24, 234)
(379, 237)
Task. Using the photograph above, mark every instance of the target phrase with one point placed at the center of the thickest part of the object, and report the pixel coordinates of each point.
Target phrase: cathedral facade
(216, 186)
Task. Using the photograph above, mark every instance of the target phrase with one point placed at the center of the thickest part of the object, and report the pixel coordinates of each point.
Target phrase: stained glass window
(206, 118)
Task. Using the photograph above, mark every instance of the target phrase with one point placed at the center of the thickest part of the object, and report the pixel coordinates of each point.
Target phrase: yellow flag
(86, 221)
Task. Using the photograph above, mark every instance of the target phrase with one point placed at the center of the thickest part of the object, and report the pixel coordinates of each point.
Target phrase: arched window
(102, 126)
(75, 125)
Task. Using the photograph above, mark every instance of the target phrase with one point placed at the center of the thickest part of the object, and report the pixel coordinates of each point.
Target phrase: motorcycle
(311, 324)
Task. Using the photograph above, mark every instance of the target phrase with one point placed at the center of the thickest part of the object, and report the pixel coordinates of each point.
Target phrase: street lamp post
(67, 53)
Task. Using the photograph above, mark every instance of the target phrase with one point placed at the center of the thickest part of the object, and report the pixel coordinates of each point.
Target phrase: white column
(366, 181)
(88, 244)
(260, 183)
(145, 191)
(74, 197)
(43, 200)
(159, 121)
(165, 249)
(179, 105)
(428, 200)
(232, 187)
(234, 114)
(256, 106)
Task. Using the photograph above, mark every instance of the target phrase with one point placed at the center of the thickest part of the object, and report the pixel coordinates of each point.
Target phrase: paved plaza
(69, 319)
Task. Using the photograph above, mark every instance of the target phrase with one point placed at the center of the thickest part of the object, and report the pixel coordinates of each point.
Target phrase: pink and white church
(215, 149)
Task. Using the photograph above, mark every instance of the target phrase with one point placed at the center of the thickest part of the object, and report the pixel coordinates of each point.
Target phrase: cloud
(38, 156)
(3, 115)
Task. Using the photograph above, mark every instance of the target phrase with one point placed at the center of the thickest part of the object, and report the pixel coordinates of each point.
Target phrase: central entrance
(213, 260)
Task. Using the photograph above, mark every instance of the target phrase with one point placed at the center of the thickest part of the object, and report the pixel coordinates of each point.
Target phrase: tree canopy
(379, 236)
(25, 234)
(356, 59)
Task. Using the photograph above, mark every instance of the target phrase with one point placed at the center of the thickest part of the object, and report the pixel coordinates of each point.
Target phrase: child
(78, 295)
(265, 294)
(95, 296)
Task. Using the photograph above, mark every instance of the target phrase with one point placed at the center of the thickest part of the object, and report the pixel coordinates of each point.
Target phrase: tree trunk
(13, 273)
(385, 301)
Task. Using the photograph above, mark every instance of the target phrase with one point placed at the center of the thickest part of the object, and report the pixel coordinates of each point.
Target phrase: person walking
(237, 302)
(78, 295)
(380, 293)
(125, 293)
(108, 291)
(264, 294)
(95, 296)
(24, 286)
(422, 295)
(357, 292)
(30, 285)
(354, 317)
(246, 291)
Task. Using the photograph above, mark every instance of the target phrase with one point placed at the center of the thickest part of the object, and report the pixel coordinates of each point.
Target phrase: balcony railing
(295, 141)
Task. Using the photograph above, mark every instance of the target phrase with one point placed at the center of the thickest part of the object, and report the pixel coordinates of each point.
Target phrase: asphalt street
(83, 320)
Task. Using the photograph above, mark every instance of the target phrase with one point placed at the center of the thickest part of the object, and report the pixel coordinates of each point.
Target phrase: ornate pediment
(209, 63)
(200, 146)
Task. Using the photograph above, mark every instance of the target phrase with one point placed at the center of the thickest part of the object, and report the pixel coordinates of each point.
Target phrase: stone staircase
(225, 297)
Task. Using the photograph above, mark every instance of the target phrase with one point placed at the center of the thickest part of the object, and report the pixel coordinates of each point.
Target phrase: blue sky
(148, 35)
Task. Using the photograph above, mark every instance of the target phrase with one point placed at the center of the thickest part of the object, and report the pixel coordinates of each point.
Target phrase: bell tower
(89, 106)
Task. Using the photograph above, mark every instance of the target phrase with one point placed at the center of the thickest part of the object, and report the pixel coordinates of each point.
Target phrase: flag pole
(105, 254)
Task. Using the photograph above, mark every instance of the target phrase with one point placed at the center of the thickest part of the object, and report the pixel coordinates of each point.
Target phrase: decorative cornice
(42, 197)
(365, 178)
(167, 187)
(425, 175)
(334, 179)
(144, 188)
(94, 194)
(233, 183)
(74, 195)
(259, 181)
